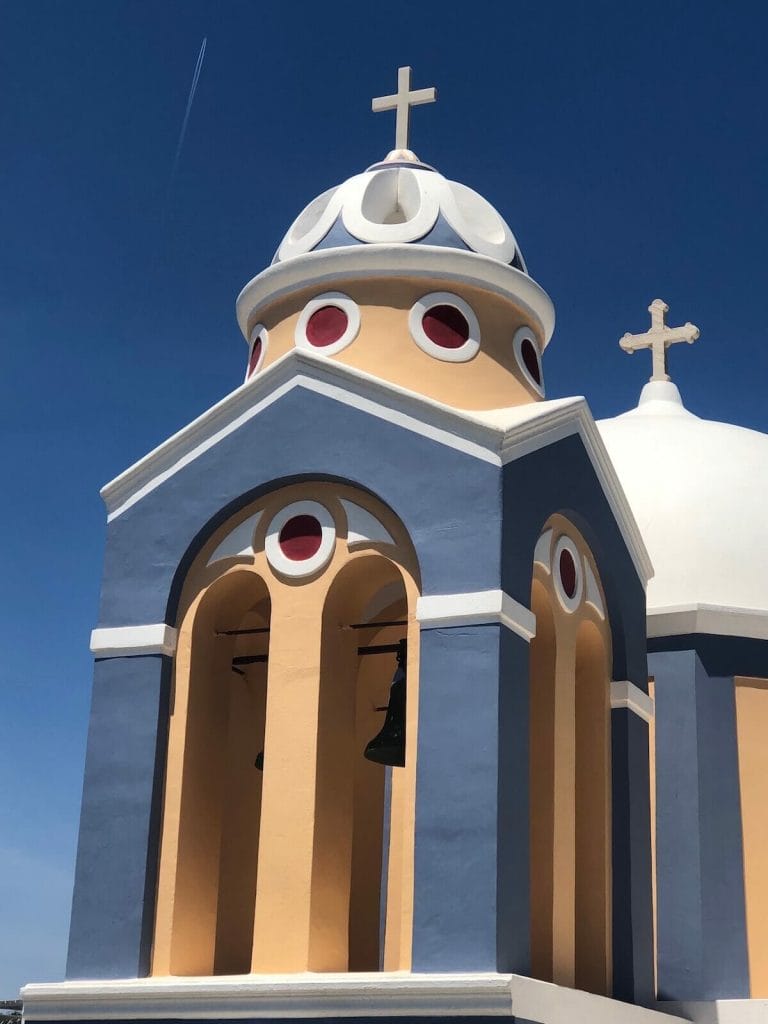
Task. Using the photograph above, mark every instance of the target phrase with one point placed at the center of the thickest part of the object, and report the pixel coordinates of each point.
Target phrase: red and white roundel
(567, 573)
(328, 323)
(300, 539)
(445, 326)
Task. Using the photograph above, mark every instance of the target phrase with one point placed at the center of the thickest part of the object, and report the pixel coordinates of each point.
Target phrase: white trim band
(679, 620)
(497, 436)
(479, 607)
(626, 695)
(329, 995)
(129, 641)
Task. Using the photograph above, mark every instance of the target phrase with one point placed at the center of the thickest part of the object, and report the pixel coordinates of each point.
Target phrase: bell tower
(370, 662)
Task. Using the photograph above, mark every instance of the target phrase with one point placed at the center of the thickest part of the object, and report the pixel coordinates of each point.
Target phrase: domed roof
(698, 490)
(401, 200)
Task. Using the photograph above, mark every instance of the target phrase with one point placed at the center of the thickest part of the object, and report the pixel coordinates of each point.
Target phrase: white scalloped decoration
(593, 591)
(238, 543)
(395, 204)
(312, 224)
(542, 553)
(363, 527)
(475, 221)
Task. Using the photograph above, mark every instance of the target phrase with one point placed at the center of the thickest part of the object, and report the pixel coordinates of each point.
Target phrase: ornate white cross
(402, 101)
(659, 338)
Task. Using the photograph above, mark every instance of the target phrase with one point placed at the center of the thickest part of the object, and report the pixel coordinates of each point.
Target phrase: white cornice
(625, 694)
(326, 267)
(477, 608)
(498, 436)
(329, 995)
(680, 620)
(132, 641)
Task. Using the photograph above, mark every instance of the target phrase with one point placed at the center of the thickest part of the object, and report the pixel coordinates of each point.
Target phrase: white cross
(659, 338)
(402, 101)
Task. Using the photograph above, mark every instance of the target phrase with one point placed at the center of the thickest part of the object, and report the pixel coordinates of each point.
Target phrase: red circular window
(531, 359)
(445, 326)
(326, 326)
(300, 538)
(567, 568)
(256, 351)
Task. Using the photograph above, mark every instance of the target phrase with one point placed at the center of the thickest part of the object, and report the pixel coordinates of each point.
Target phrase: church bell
(388, 745)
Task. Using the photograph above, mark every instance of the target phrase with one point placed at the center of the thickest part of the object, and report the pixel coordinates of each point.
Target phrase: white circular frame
(517, 344)
(565, 543)
(307, 566)
(449, 355)
(343, 302)
(256, 330)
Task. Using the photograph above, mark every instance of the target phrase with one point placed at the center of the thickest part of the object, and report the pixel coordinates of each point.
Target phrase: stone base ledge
(253, 997)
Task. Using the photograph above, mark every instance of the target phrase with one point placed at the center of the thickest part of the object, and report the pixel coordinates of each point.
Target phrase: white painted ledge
(720, 1011)
(477, 608)
(680, 620)
(132, 641)
(626, 695)
(329, 995)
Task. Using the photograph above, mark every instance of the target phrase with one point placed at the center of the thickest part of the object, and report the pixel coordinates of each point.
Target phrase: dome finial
(659, 338)
(402, 101)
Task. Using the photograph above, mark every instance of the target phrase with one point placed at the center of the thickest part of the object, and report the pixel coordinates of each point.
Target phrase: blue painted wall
(560, 478)
(113, 902)
(449, 503)
(702, 949)
(471, 906)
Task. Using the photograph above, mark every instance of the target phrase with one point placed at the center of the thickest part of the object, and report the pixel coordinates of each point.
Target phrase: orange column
(281, 933)
(564, 824)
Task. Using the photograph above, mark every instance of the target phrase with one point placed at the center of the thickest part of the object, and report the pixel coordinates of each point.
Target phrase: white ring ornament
(341, 301)
(312, 225)
(517, 344)
(391, 191)
(462, 354)
(569, 603)
(256, 330)
(476, 222)
(306, 566)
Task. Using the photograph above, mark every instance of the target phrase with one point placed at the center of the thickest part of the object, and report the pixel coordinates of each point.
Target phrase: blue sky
(626, 146)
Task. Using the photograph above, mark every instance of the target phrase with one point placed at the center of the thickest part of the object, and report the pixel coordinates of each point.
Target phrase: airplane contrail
(185, 122)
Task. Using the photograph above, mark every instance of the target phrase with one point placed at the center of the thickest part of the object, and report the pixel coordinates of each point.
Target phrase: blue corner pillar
(471, 902)
(632, 925)
(702, 948)
(115, 875)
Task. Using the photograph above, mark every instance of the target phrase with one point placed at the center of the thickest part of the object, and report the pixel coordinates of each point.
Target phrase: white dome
(699, 492)
(401, 200)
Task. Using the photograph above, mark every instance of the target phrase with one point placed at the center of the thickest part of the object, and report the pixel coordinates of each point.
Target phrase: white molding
(481, 606)
(625, 694)
(129, 641)
(238, 543)
(498, 436)
(719, 1011)
(324, 267)
(679, 620)
(329, 995)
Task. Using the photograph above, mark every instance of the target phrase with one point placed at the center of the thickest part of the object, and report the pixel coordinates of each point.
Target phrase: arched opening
(214, 782)
(358, 801)
(593, 821)
(570, 767)
(542, 750)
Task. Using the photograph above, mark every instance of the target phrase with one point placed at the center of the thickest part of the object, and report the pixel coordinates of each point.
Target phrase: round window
(445, 326)
(328, 323)
(567, 573)
(300, 539)
(259, 339)
(528, 358)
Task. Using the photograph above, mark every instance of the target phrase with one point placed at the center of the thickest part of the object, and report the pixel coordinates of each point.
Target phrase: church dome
(401, 200)
(698, 489)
